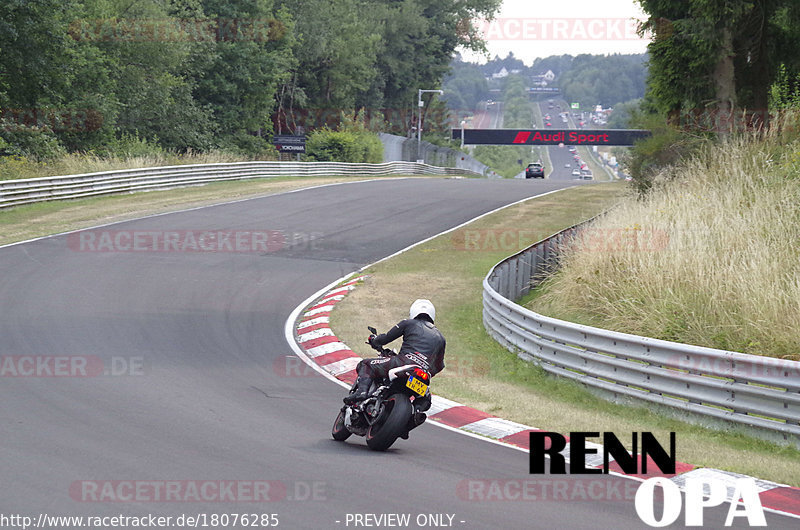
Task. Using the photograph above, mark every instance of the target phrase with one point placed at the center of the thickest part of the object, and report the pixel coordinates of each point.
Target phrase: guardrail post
(527, 257)
(507, 281)
(536, 264)
(519, 282)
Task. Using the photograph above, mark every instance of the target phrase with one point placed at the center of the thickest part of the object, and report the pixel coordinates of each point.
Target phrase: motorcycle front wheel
(382, 435)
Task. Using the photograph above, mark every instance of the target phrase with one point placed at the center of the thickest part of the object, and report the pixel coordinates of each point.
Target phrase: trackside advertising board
(289, 144)
(550, 137)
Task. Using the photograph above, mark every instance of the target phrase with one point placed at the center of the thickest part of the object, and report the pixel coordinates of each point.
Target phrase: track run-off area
(144, 373)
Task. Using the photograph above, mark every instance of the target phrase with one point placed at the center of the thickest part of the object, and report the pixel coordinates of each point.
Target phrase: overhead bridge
(549, 137)
(533, 90)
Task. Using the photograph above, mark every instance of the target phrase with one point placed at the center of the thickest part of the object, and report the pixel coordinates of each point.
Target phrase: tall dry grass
(78, 163)
(710, 257)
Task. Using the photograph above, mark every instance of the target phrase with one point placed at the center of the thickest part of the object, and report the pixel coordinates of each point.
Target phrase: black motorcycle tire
(339, 431)
(381, 436)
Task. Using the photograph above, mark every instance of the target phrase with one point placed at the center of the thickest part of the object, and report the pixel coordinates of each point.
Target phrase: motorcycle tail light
(422, 374)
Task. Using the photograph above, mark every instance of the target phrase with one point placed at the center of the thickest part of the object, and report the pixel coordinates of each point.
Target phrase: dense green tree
(720, 55)
(603, 80)
(375, 54)
(35, 59)
(623, 113)
(509, 62)
(152, 86)
(237, 75)
(465, 86)
(49, 81)
(333, 60)
(202, 74)
(420, 39)
(558, 64)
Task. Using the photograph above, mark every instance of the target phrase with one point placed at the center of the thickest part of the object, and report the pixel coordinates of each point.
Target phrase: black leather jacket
(420, 338)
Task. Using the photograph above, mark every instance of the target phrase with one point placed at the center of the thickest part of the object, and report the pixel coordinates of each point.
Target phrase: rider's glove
(370, 339)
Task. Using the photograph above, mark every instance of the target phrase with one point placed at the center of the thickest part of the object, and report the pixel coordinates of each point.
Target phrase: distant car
(567, 165)
(534, 171)
(576, 172)
(548, 124)
(586, 174)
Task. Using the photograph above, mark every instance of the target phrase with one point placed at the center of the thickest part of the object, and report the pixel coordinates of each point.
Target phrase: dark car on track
(535, 171)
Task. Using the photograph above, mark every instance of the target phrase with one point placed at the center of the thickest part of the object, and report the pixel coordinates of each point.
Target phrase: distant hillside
(591, 80)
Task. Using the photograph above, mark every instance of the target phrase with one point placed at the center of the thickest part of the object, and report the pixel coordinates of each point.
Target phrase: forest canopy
(196, 75)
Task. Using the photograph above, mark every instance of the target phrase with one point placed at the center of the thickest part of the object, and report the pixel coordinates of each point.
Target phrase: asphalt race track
(202, 394)
(559, 156)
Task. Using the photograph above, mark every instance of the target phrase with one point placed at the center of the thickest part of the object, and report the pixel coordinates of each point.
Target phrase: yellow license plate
(417, 386)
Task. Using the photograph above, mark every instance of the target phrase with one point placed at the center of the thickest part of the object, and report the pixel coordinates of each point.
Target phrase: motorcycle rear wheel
(382, 435)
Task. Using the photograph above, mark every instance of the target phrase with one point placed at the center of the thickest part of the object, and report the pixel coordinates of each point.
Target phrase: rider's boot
(360, 392)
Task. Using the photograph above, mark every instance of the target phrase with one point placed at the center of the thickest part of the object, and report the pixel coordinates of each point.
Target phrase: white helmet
(422, 307)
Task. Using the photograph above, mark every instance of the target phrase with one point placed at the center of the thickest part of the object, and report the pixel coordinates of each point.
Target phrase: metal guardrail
(26, 191)
(760, 392)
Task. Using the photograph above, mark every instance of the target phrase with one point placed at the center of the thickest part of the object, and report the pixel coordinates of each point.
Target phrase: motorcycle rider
(423, 346)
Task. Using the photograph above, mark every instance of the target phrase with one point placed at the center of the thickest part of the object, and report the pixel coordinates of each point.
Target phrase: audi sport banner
(550, 136)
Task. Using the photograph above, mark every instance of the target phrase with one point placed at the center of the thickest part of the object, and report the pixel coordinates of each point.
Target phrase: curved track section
(164, 386)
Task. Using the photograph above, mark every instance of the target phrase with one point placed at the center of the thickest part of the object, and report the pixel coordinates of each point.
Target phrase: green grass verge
(482, 374)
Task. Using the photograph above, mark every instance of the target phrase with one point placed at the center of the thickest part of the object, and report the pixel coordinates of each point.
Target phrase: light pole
(419, 121)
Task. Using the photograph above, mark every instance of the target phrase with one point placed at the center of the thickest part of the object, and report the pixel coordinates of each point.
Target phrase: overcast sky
(536, 28)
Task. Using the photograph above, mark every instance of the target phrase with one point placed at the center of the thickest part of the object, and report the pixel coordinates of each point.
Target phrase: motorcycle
(393, 406)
